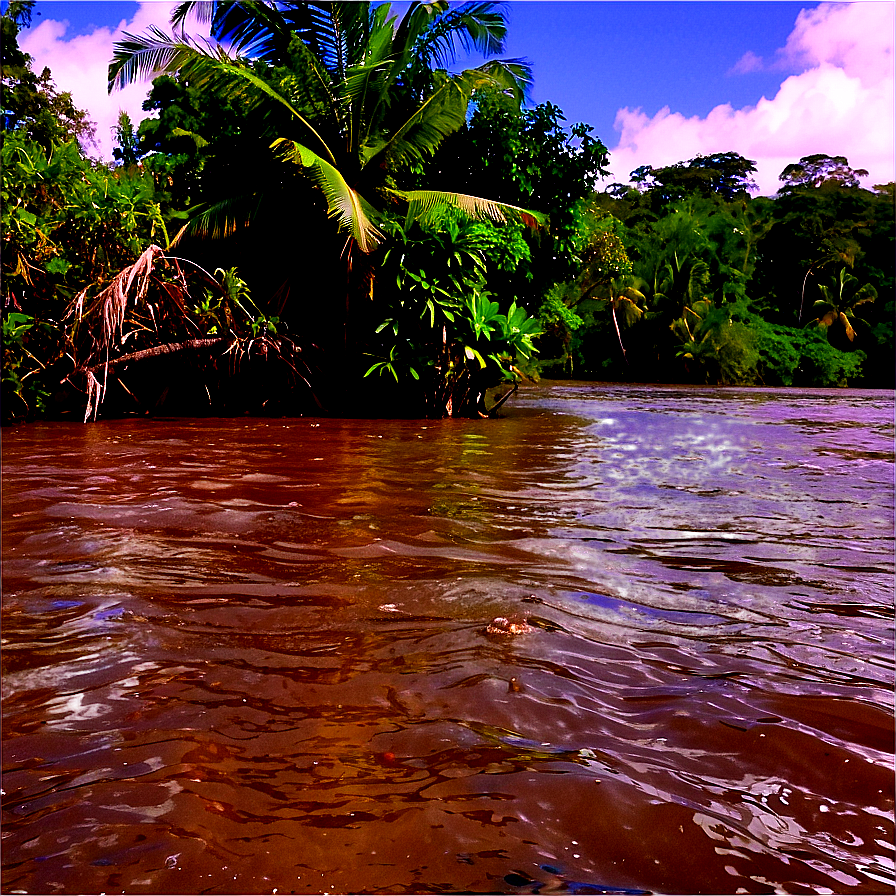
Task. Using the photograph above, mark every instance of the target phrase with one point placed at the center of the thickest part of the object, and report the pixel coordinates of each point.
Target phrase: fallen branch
(96, 390)
(495, 407)
(169, 348)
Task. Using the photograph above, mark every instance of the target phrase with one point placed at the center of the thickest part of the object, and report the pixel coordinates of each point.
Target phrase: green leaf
(58, 266)
(422, 203)
(350, 209)
(472, 354)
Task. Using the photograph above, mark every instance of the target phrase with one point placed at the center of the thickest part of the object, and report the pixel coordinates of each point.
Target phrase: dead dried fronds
(121, 313)
(95, 393)
(111, 304)
(148, 311)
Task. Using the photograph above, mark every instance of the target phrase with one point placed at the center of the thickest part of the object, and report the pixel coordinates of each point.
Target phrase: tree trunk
(618, 333)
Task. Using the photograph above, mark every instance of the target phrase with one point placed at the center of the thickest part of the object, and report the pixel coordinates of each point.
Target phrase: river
(254, 656)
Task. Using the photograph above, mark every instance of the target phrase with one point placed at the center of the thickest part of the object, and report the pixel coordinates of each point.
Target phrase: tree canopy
(31, 103)
(725, 174)
(818, 170)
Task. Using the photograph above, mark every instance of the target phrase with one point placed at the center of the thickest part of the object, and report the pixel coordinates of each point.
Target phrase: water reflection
(252, 655)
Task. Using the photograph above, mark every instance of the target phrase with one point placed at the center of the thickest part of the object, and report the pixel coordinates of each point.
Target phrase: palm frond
(413, 25)
(442, 113)
(425, 202)
(201, 10)
(254, 28)
(866, 293)
(261, 29)
(155, 53)
(367, 79)
(337, 32)
(379, 43)
(358, 79)
(310, 86)
(824, 306)
(681, 330)
(228, 74)
(360, 84)
(477, 27)
(513, 77)
(224, 218)
(201, 63)
(847, 326)
(698, 280)
(633, 295)
(432, 36)
(352, 212)
(628, 312)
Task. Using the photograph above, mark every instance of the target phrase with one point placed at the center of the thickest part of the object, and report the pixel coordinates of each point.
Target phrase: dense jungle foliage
(326, 216)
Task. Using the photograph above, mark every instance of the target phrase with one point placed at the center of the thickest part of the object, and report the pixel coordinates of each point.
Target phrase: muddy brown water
(251, 656)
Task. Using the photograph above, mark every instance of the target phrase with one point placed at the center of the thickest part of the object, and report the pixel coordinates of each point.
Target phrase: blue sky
(659, 81)
(590, 58)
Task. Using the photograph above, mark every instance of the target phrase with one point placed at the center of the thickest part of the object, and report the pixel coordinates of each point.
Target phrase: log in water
(255, 656)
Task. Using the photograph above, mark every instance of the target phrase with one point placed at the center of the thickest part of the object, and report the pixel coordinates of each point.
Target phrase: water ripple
(230, 665)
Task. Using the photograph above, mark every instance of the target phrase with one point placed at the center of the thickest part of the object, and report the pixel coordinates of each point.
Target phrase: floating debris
(501, 626)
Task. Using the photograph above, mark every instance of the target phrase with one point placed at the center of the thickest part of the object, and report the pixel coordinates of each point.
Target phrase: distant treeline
(327, 220)
(686, 278)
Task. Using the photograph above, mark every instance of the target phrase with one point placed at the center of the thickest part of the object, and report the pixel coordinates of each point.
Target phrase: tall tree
(838, 304)
(822, 218)
(819, 169)
(726, 175)
(529, 158)
(30, 102)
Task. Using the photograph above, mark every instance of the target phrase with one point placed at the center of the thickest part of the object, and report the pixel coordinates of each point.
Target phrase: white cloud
(857, 37)
(80, 65)
(747, 63)
(841, 103)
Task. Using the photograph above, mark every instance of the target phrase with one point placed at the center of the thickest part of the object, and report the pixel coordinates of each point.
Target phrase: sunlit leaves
(425, 205)
(839, 302)
(345, 204)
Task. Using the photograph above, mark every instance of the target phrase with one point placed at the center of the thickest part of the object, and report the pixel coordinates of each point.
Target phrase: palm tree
(355, 97)
(625, 302)
(838, 304)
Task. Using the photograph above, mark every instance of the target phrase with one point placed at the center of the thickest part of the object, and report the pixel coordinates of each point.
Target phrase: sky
(659, 82)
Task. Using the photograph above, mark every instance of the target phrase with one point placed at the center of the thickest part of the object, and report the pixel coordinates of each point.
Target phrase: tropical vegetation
(326, 214)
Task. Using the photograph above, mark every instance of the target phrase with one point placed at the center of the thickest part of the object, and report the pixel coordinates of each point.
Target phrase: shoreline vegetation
(327, 215)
